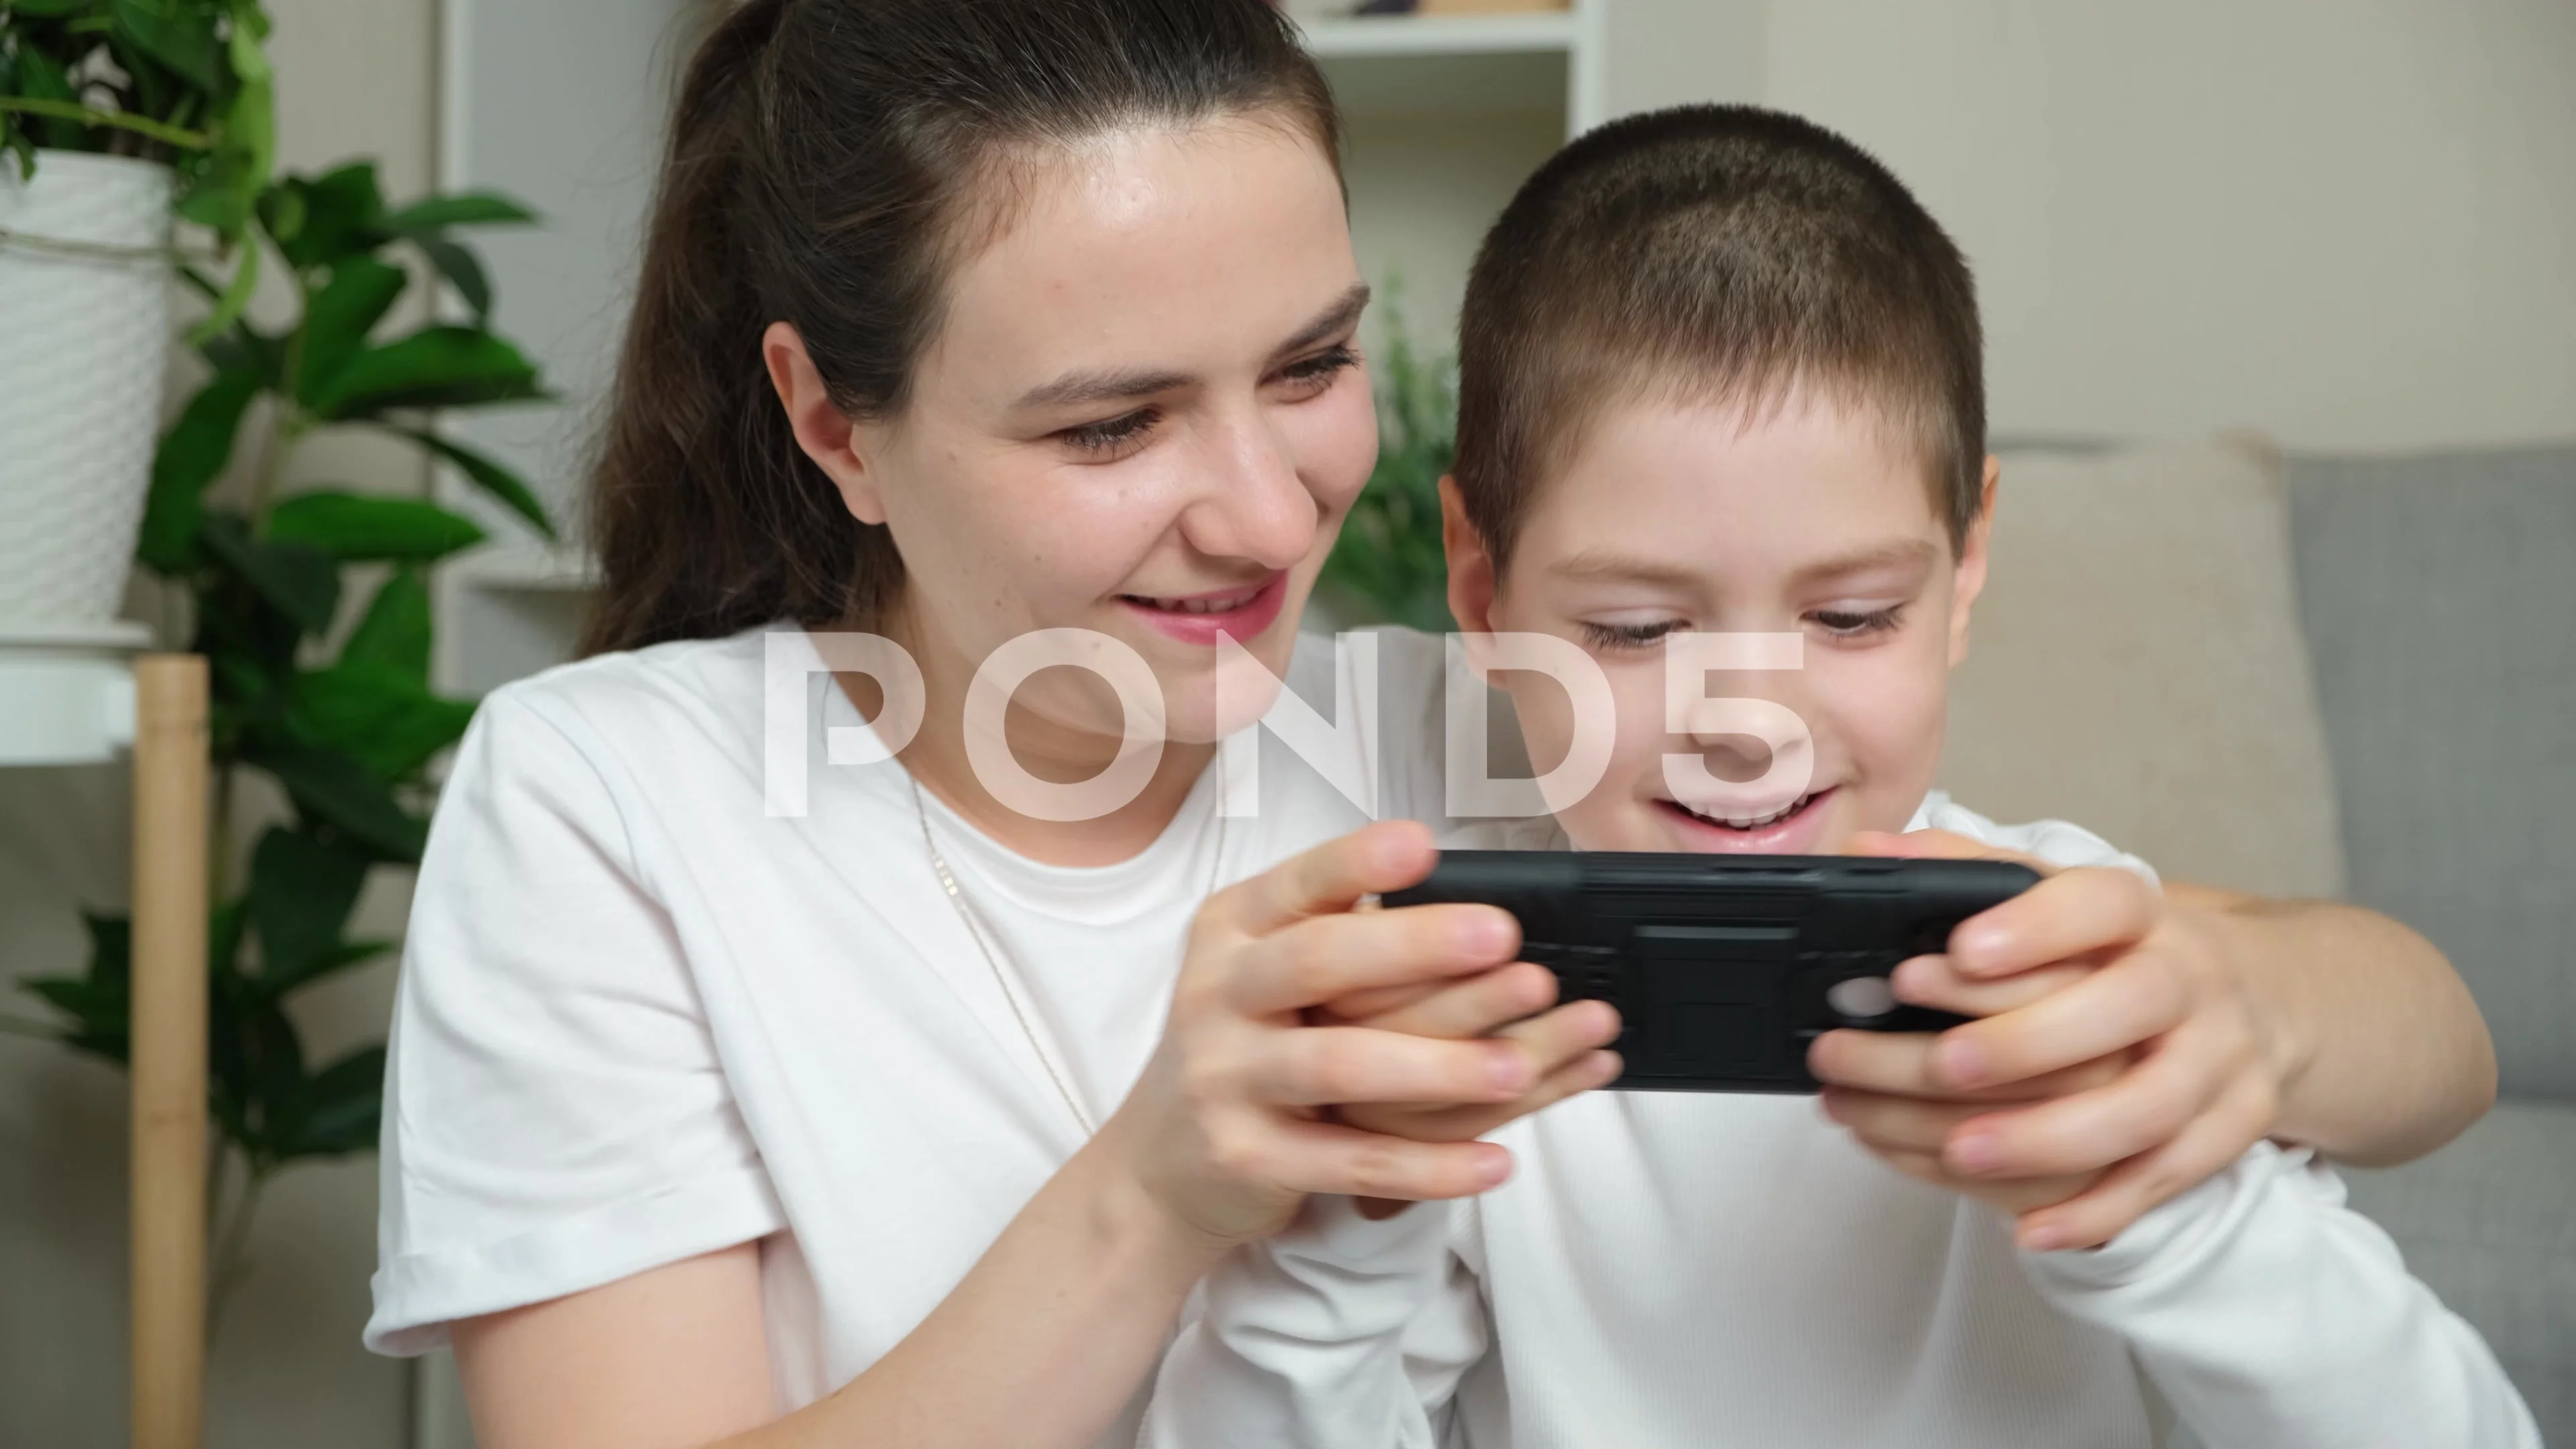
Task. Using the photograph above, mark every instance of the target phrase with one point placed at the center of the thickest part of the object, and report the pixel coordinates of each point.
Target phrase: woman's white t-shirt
(640, 1019)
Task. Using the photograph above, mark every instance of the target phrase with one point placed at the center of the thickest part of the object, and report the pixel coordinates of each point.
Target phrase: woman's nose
(1254, 505)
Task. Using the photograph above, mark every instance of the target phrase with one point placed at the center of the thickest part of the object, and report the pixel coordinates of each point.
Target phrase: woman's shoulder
(687, 697)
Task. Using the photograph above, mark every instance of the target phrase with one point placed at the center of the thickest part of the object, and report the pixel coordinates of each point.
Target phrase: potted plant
(337, 710)
(1388, 566)
(113, 115)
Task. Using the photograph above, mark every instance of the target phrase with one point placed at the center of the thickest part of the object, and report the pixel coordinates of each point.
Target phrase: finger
(1332, 877)
(2013, 1197)
(1378, 1001)
(2075, 913)
(2127, 1191)
(1329, 1157)
(1317, 960)
(1897, 1124)
(1899, 1064)
(2143, 1110)
(1936, 982)
(1456, 1124)
(1316, 1066)
(1554, 1038)
(2119, 1006)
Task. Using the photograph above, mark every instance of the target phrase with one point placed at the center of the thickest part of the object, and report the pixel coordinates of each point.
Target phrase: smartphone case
(1725, 967)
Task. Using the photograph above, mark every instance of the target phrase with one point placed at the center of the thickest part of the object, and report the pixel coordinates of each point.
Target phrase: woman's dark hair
(822, 171)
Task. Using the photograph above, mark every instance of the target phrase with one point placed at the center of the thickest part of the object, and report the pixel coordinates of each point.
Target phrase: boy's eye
(1844, 625)
(1312, 374)
(1628, 636)
(1109, 435)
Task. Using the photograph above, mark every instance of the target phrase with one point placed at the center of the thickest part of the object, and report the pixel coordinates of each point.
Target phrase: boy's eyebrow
(1885, 555)
(1599, 565)
(1076, 389)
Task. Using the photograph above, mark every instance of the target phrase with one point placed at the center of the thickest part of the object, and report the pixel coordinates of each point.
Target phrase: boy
(1720, 374)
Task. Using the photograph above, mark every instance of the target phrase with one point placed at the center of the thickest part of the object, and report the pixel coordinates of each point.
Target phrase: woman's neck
(1047, 749)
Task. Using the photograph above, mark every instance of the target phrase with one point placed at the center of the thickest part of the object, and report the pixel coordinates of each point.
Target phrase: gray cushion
(2485, 1224)
(2439, 599)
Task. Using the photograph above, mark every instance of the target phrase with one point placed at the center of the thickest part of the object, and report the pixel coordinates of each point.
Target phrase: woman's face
(1143, 413)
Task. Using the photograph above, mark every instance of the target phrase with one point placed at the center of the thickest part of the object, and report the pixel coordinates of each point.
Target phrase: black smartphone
(1724, 967)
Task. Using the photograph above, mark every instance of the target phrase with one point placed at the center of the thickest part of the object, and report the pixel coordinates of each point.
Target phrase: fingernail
(1507, 1070)
(1976, 1152)
(1492, 1167)
(1980, 942)
(2046, 1238)
(1489, 933)
(1959, 1063)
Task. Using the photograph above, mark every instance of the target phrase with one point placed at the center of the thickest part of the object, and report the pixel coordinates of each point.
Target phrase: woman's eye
(1111, 434)
(1845, 625)
(1628, 636)
(1312, 374)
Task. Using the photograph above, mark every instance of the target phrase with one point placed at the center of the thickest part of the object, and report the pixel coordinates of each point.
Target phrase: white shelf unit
(1446, 116)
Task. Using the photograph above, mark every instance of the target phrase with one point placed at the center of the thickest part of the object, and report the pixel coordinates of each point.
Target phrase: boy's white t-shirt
(639, 1019)
(1669, 1269)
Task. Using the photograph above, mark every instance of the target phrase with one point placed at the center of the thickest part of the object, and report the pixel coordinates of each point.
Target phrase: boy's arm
(2382, 1055)
(1344, 1330)
(2270, 1315)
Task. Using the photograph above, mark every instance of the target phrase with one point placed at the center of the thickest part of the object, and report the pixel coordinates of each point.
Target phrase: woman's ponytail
(816, 161)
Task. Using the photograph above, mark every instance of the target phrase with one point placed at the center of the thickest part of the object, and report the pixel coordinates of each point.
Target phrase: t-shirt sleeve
(556, 1117)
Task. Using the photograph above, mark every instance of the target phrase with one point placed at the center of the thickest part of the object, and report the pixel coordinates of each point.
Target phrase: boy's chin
(1814, 827)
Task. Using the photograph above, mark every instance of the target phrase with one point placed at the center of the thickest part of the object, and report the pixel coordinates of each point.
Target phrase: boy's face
(1680, 516)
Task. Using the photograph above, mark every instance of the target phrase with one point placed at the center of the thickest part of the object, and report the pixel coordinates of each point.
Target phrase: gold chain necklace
(1007, 978)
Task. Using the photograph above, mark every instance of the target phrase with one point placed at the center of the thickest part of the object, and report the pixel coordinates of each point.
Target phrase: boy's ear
(1471, 568)
(824, 432)
(1969, 580)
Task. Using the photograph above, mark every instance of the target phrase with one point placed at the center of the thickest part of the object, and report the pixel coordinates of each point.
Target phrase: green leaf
(49, 7)
(301, 892)
(41, 78)
(395, 631)
(179, 37)
(463, 208)
(100, 1001)
(352, 526)
(339, 956)
(339, 1109)
(303, 582)
(435, 367)
(337, 790)
(336, 322)
(378, 715)
(491, 477)
(341, 215)
(235, 299)
(462, 272)
(191, 456)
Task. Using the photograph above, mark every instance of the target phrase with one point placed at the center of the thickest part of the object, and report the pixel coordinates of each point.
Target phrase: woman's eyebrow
(1078, 389)
(1340, 316)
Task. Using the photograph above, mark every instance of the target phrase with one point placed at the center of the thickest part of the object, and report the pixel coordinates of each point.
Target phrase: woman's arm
(2381, 1054)
(1054, 1328)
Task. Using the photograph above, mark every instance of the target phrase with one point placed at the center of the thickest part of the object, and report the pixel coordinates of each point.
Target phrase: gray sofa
(2306, 675)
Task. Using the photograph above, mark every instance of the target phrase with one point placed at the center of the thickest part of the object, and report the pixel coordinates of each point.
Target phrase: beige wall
(2350, 225)
(354, 77)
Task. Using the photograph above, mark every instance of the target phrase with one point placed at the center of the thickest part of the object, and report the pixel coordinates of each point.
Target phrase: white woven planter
(83, 338)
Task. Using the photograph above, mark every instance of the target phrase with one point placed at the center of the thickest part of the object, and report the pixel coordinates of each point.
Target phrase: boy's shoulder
(2055, 841)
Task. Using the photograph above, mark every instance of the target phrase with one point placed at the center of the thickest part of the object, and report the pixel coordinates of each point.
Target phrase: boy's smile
(1809, 518)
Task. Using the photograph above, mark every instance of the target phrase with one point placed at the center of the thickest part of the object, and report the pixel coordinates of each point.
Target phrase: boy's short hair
(1715, 253)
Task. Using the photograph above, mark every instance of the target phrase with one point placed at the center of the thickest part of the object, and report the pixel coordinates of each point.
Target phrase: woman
(915, 1118)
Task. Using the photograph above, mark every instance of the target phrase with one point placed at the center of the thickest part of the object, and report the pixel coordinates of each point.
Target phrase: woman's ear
(825, 433)
(1471, 568)
(1970, 579)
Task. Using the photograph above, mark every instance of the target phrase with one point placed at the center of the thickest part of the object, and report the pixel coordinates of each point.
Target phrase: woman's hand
(1226, 1129)
(2140, 1064)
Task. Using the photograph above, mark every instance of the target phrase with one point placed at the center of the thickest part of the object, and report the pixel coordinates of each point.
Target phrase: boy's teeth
(1755, 822)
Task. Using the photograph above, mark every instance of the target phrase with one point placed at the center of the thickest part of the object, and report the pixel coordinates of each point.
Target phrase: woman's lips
(1799, 832)
(1200, 618)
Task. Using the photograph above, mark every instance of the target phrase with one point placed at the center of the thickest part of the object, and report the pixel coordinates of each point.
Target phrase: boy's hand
(1510, 1002)
(2117, 1013)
